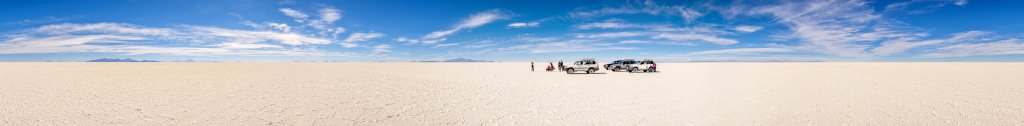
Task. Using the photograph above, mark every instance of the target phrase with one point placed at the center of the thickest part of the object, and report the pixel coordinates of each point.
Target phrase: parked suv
(644, 66)
(617, 65)
(588, 65)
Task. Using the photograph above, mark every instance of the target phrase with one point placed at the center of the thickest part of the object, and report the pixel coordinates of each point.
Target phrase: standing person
(560, 66)
(531, 66)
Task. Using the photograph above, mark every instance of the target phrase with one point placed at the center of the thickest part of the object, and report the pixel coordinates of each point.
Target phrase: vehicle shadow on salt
(586, 73)
(644, 72)
(635, 72)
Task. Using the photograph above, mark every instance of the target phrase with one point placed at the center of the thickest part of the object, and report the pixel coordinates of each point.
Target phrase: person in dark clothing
(531, 66)
(560, 66)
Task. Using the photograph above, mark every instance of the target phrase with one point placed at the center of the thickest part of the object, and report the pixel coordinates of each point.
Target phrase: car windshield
(578, 62)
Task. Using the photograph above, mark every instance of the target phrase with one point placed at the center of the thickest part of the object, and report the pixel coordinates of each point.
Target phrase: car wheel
(590, 71)
(651, 69)
(568, 71)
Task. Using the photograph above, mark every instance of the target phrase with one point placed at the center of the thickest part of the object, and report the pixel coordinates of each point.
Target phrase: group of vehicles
(590, 66)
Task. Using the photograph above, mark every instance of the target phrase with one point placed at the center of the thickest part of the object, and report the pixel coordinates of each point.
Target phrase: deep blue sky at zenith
(507, 30)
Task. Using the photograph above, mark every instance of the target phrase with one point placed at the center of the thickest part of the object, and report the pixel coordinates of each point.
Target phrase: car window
(578, 62)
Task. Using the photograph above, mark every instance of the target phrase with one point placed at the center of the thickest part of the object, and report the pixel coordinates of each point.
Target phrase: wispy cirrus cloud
(696, 37)
(445, 45)
(473, 21)
(921, 6)
(523, 24)
(132, 39)
(105, 27)
(298, 15)
(747, 28)
(382, 48)
(850, 28)
(323, 26)
(607, 24)
(648, 7)
(246, 36)
(572, 45)
(350, 42)
(837, 27)
(741, 51)
(899, 46)
(612, 35)
(1002, 47)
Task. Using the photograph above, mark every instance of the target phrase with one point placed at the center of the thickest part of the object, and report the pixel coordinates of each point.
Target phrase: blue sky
(506, 30)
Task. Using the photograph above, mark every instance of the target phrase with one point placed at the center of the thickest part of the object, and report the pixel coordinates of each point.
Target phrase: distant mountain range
(460, 59)
(120, 60)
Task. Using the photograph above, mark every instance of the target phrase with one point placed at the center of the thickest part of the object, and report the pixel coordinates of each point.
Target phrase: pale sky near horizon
(512, 30)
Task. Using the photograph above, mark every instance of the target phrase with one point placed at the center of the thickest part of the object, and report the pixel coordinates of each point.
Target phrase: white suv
(618, 65)
(588, 65)
(645, 66)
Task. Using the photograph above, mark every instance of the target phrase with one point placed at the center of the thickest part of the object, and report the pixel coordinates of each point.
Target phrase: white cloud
(327, 17)
(607, 24)
(329, 14)
(245, 36)
(612, 35)
(82, 43)
(581, 45)
(349, 45)
(633, 42)
(741, 51)
(647, 7)
(899, 46)
(481, 44)
(842, 27)
(232, 45)
(538, 39)
(272, 26)
(407, 40)
(747, 28)
(299, 16)
(382, 48)
(432, 41)
(523, 24)
(689, 14)
(908, 7)
(60, 43)
(474, 21)
(960, 2)
(359, 37)
(440, 34)
(445, 45)
(701, 37)
(323, 25)
(134, 40)
(112, 28)
(280, 27)
(1004, 47)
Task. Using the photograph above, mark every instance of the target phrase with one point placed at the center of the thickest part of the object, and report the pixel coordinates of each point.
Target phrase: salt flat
(824, 93)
